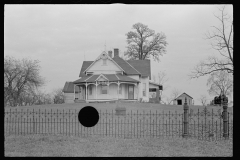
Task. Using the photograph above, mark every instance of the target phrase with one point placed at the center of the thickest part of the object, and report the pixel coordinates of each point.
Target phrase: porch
(104, 88)
(107, 101)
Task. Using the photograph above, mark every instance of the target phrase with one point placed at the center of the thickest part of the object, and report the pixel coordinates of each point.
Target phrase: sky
(61, 37)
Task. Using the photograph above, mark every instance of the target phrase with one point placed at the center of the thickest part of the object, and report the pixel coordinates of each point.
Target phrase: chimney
(116, 52)
(110, 54)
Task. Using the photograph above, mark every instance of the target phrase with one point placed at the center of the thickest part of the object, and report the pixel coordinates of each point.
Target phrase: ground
(65, 146)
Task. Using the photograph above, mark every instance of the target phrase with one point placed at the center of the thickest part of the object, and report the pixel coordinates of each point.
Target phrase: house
(111, 78)
(180, 100)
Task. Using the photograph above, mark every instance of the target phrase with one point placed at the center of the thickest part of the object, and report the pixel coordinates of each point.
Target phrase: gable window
(144, 89)
(104, 61)
(104, 89)
(90, 90)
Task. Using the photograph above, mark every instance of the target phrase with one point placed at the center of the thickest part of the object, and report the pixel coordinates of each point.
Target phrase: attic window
(104, 61)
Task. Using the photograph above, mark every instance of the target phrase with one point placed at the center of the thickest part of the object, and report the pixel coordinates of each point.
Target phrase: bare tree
(220, 82)
(203, 100)
(19, 77)
(154, 78)
(139, 45)
(162, 79)
(221, 41)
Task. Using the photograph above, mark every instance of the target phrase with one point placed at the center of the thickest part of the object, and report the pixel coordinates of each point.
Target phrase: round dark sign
(88, 116)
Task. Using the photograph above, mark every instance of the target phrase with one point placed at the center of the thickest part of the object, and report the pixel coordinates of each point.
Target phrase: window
(104, 61)
(90, 90)
(152, 90)
(120, 89)
(104, 89)
(144, 89)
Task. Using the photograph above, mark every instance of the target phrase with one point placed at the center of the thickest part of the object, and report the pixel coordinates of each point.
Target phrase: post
(185, 120)
(225, 116)
(157, 96)
(86, 91)
(74, 92)
(96, 89)
(118, 90)
(108, 90)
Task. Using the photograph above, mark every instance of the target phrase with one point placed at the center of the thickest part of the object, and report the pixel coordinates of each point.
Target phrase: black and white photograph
(118, 80)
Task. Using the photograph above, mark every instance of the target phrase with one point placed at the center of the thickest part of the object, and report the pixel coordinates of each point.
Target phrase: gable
(130, 67)
(98, 67)
(184, 95)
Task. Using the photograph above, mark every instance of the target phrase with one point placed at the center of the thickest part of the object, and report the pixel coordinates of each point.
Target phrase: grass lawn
(68, 146)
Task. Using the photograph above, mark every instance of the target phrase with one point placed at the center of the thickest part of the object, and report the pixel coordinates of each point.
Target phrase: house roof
(143, 66)
(182, 94)
(110, 77)
(85, 65)
(155, 83)
(69, 88)
(131, 67)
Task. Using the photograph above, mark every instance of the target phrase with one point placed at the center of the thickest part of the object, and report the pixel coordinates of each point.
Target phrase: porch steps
(79, 101)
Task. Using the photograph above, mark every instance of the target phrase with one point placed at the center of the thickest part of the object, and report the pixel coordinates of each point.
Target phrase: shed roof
(182, 94)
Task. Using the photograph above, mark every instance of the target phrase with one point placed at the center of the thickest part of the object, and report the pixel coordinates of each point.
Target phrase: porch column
(137, 91)
(74, 91)
(118, 90)
(96, 89)
(86, 91)
(108, 90)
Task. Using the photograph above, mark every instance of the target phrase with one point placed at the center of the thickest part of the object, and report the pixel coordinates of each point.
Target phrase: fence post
(225, 116)
(185, 120)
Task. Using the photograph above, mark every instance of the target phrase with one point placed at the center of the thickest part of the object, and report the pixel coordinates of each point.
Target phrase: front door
(130, 91)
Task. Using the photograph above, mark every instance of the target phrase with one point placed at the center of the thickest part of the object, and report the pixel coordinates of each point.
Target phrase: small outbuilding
(180, 100)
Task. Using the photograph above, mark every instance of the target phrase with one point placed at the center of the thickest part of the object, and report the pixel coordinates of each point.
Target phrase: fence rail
(204, 125)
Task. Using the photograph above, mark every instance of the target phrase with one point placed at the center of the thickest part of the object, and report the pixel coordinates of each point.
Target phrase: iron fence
(204, 125)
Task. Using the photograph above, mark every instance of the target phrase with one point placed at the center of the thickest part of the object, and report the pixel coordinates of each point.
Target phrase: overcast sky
(60, 35)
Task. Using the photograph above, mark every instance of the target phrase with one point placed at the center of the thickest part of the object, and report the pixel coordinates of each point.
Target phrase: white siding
(144, 80)
(68, 97)
(98, 67)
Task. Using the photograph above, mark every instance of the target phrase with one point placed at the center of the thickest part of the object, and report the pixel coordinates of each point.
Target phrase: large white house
(110, 78)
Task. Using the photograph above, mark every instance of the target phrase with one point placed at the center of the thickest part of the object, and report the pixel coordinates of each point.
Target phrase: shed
(180, 100)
